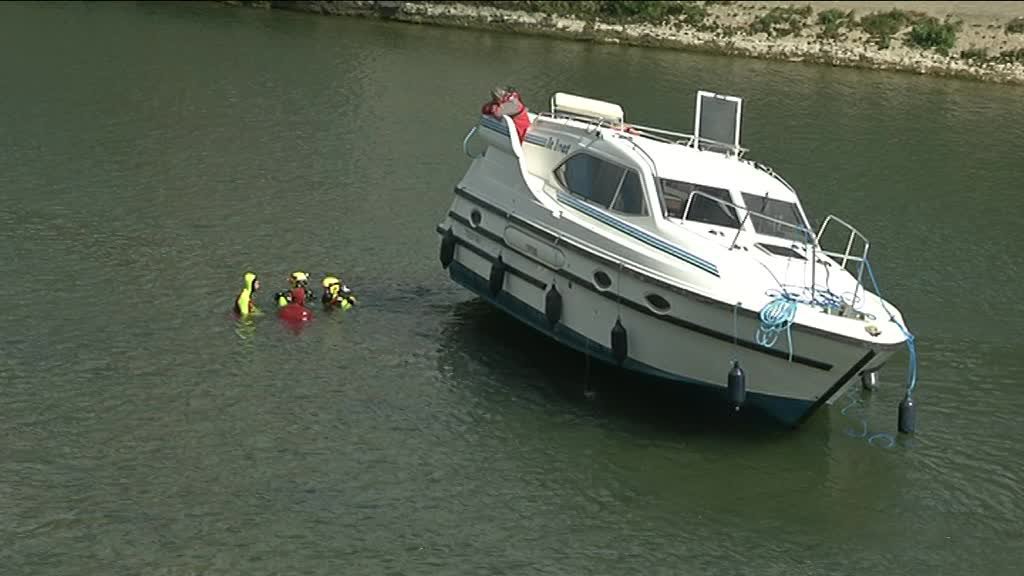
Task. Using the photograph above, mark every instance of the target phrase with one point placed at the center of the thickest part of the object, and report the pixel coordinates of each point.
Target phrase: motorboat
(670, 255)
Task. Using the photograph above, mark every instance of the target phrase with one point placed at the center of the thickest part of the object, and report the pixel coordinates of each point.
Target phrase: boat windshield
(780, 210)
(675, 195)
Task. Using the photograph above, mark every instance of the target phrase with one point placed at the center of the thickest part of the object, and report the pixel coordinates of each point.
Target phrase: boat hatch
(780, 250)
(717, 119)
(589, 108)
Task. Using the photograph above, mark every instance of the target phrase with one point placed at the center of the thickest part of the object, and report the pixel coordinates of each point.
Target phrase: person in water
(337, 294)
(295, 312)
(508, 102)
(245, 303)
(298, 282)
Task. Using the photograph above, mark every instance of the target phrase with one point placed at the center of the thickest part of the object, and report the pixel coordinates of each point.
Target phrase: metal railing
(659, 134)
(688, 140)
(465, 143)
(811, 241)
(847, 256)
(747, 213)
(591, 122)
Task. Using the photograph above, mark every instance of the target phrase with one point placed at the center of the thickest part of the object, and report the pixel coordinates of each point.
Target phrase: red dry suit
(510, 105)
(296, 312)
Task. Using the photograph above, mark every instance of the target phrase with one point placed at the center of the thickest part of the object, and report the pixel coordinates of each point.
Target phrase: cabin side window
(675, 194)
(603, 183)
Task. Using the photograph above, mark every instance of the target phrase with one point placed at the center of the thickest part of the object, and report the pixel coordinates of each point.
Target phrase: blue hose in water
(863, 433)
(911, 345)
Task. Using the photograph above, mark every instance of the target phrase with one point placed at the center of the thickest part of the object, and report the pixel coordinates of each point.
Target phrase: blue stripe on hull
(788, 411)
(638, 233)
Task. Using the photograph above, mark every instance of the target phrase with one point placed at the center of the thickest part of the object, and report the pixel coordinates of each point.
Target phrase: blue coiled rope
(776, 317)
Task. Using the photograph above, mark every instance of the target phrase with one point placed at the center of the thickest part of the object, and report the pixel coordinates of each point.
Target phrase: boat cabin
(663, 180)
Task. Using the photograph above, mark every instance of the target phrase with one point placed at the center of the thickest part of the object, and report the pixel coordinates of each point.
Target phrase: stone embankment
(979, 40)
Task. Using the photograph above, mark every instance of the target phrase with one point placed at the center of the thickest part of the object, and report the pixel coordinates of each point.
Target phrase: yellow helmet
(298, 279)
(330, 280)
(250, 280)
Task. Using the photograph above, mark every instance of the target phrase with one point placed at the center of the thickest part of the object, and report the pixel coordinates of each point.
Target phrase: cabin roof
(688, 164)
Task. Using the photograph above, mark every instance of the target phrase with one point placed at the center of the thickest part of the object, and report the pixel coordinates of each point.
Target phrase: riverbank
(978, 40)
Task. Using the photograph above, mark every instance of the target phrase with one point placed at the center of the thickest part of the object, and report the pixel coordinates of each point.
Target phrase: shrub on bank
(1011, 56)
(930, 33)
(980, 56)
(1016, 26)
(882, 26)
(781, 21)
(833, 21)
(655, 12)
(975, 54)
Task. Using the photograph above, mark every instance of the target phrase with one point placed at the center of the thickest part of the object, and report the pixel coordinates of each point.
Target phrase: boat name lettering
(557, 145)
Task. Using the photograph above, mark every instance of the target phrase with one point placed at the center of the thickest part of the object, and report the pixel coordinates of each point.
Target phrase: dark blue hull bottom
(787, 411)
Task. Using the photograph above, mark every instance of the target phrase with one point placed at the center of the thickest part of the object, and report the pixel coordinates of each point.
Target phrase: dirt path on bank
(969, 11)
(984, 23)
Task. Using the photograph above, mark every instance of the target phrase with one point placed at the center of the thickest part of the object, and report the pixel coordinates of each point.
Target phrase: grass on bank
(926, 32)
(931, 34)
(781, 21)
(635, 11)
(918, 30)
(882, 26)
(975, 54)
(980, 56)
(834, 22)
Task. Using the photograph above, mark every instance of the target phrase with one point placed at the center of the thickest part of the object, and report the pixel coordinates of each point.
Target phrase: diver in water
(295, 312)
(298, 282)
(337, 294)
(244, 304)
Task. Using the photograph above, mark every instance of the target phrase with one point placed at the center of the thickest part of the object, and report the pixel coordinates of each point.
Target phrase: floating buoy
(737, 385)
(908, 415)
(497, 279)
(553, 306)
(869, 380)
(447, 248)
(620, 347)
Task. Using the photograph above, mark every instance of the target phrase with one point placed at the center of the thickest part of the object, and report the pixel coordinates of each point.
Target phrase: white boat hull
(694, 342)
(586, 231)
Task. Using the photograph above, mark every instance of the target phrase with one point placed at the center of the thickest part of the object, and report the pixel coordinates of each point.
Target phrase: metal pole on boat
(814, 266)
(588, 390)
(869, 380)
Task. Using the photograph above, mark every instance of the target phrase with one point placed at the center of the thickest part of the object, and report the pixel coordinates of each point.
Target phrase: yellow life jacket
(244, 304)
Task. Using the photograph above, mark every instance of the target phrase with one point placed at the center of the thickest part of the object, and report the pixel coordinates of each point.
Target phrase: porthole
(475, 217)
(658, 303)
(602, 280)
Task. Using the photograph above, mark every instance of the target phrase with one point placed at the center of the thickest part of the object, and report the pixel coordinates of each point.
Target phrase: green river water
(151, 153)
